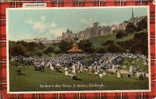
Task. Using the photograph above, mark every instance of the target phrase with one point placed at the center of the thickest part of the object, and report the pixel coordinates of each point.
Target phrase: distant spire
(132, 13)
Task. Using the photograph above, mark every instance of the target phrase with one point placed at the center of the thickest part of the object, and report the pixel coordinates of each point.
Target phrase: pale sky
(50, 23)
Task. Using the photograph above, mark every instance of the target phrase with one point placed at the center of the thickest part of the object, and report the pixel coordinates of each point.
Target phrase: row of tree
(136, 45)
(131, 28)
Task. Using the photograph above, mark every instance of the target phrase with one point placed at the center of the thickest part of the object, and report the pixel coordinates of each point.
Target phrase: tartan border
(77, 3)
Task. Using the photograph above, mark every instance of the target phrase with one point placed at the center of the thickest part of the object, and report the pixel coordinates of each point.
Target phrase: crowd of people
(71, 64)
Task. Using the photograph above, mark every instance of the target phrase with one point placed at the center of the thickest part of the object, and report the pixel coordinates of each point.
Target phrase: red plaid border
(77, 3)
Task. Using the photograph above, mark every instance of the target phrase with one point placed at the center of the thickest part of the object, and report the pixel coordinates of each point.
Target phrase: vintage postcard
(89, 49)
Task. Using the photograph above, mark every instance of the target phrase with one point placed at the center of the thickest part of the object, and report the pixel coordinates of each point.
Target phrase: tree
(101, 50)
(49, 50)
(18, 50)
(57, 50)
(38, 53)
(120, 34)
(141, 25)
(136, 45)
(115, 48)
(130, 28)
(65, 45)
(109, 42)
(86, 46)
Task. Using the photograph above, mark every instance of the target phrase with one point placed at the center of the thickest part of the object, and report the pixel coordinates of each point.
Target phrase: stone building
(68, 35)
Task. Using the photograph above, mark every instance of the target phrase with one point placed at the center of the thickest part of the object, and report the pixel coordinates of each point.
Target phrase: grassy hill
(124, 43)
(98, 41)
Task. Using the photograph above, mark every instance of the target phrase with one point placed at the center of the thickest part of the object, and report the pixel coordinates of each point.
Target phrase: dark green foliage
(57, 50)
(114, 48)
(110, 46)
(130, 28)
(52, 49)
(86, 46)
(141, 25)
(136, 45)
(120, 34)
(65, 45)
(101, 50)
(109, 42)
(25, 49)
(38, 53)
(49, 50)
(18, 50)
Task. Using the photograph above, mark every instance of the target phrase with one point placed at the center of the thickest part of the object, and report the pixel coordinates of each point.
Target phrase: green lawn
(31, 81)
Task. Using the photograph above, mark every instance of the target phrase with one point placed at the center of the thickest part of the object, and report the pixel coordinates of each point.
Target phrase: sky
(50, 23)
